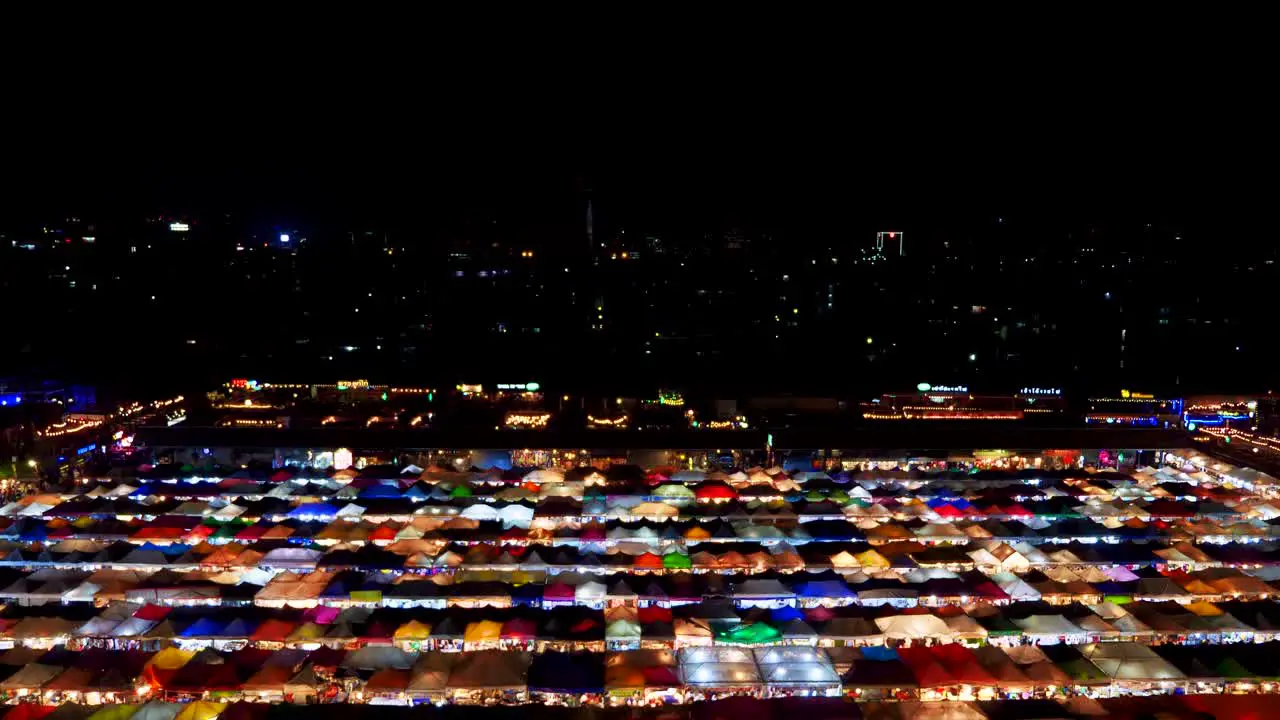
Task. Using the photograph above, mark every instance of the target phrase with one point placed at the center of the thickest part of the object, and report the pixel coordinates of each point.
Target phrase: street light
(31, 463)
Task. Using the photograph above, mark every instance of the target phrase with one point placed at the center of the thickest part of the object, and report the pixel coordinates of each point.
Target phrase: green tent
(229, 530)
(1118, 599)
(460, 491)
(1083, 671)
(998, 625)
(749, 634)
(1231, 669)
(676, 561)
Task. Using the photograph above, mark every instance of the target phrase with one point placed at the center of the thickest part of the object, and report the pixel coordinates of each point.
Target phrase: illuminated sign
(670, 397)
(1040, 391)
(179, 227)
(471, 389)
(523, 387)
(284, 238)
(353, 384)
(87, 449)
(926, 387)
(341, 459)
(1126, 394)
(531, 420)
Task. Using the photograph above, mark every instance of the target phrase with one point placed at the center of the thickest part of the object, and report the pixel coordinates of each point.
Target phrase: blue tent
(785, 614)
(314, 510)
(824, 589)
(380, 491)
(204, 627)
(879, 653)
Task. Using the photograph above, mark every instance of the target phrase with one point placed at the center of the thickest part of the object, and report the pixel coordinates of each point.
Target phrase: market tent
(638, 669)
(490, 670)
(31, 677)
(913, 627)
(1130, 661)
(430, 674)
(748, 634)
(200, 710)
(379, 657)
(157, 710)
(1048, 629)
(718, 667)
(796, 666)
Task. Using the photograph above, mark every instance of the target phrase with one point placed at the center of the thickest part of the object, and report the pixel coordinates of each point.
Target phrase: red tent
(559, 591)
(254, 531)
(384, 533)
(990, 590)
(960, 662)
(660, 676)
(29, 711)
(715, 490)
(649, 560)
(519, 629)
(154, 613)
(272, 630)
(653, 614)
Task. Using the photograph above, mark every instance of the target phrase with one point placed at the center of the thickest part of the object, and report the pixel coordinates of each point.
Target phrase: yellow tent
(413, 630)
(171, 658)
(483, 631)
(697, 532)
(872, 559)
(115, 712)
(201, 710)
(1203, 609)
(305, 632)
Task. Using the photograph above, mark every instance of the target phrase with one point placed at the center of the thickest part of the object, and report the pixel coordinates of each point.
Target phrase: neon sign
(926, 387)
(524, 387)
(1040, 391)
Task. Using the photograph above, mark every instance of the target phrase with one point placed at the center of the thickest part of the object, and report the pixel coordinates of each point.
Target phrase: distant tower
(591, 225)
(891, 237)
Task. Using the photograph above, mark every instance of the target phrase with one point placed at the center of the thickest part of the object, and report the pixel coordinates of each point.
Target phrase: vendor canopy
(718, 667)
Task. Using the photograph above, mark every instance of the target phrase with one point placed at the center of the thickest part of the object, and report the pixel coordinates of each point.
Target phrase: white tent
(913, 627)
(796, 666)
(1049, 629)
(718, 667)
(1130, 661)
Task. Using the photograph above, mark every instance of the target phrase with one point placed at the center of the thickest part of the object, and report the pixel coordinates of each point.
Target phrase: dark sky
(796, 131)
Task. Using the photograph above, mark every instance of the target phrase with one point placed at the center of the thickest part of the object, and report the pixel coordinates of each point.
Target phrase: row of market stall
(860, 585)
(124, 625)
(403, 585)
(1168, 707)
(386, 675)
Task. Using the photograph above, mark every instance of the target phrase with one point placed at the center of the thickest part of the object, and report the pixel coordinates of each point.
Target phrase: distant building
(891, 243)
